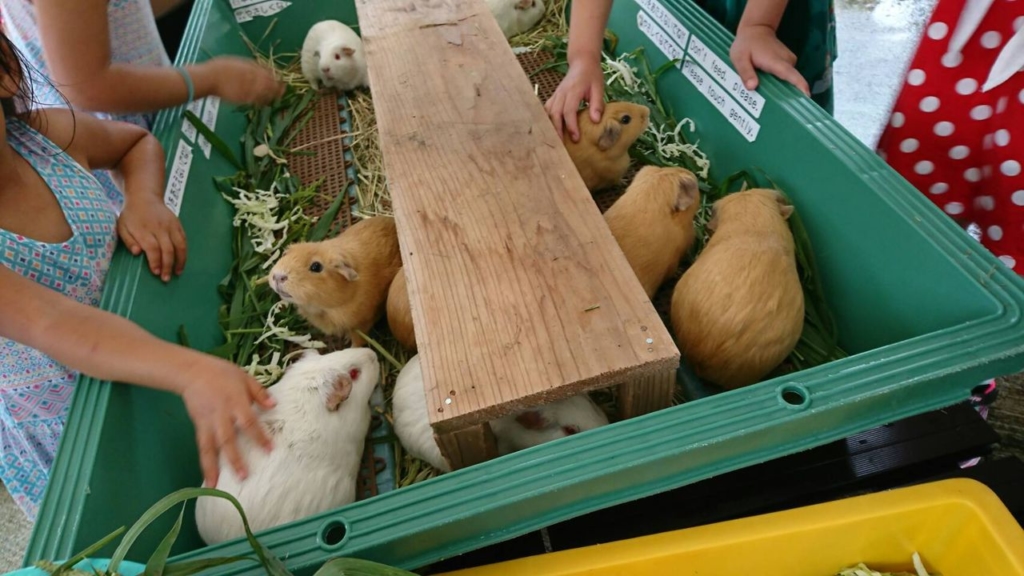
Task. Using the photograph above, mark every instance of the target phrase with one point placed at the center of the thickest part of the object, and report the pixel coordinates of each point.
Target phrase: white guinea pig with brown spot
(739, 310)
(524, 429)
(653, 222)
(602, 154)
(333, 57)
(516, 16)
(399, 312)
(318, 428)
(341, 285)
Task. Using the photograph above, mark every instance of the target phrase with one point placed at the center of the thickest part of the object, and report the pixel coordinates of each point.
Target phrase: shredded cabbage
(862, 570)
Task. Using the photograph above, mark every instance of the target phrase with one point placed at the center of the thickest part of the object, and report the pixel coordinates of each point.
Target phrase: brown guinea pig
(399, 313)
(653, 222)
(739, 310)
(602, 154)
(340, 285)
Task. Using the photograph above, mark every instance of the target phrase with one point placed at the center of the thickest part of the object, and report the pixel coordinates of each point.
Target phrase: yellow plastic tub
(959, 527)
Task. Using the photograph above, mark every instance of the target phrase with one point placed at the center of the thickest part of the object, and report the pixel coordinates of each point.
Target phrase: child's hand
(219, 397)
(243, 81)
(146, 224)
(758, 47)
(585, 81)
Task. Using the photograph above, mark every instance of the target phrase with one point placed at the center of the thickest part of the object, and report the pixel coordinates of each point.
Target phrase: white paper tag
(724, 73)
(187, 129)
(258, 10)
(675, 30)
(667, 46)
(210, 112)
(178, 178)
(717, 95)
(236, 4)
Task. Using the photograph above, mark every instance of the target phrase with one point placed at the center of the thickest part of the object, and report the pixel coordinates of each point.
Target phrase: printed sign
(176, 180)
(667, 46)
(725, 75)
(668, 22)
(250, 12)
(209, 117)
(717, 95)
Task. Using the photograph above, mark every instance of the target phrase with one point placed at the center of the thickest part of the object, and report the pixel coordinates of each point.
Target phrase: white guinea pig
(318, 428)
(514, 432)
(516, 16)
(333, 57)
(545, 423)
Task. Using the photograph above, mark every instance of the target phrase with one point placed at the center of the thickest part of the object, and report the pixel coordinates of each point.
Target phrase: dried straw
(553, 24)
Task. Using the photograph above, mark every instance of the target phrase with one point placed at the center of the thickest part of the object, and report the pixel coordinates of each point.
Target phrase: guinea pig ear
(609, 135)
(784, 208)
(348, 51)
(346, 270)
(531, 420)
(687, 193)
(341, 388)
(713, 222)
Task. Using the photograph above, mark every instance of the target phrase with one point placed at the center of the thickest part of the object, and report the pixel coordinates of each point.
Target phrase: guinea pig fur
(653, 222)
(739, 310)
(341, 284)
(399, 312)
(524, 429)
(333, 57)
(602, 154)
(516, 16)
(411, 421)
(318, 429)
(545, 423)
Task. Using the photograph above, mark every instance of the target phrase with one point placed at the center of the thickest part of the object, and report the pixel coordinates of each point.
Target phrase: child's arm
(145, 223)
(76, 44)
(585, 80)
(757, 47)
(217, 394)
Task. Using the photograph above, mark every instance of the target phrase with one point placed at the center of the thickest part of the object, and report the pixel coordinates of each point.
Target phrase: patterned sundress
(134, 39)
(35, 391)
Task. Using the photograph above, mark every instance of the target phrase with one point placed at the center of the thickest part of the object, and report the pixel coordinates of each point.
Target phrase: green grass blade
(213, 139)
(190, 567)
(88, 552)
(158, 561)
(323, 225)
(357, 567)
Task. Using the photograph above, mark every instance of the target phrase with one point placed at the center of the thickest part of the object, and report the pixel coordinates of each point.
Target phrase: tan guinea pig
(340, 285)
(739, 310)
(653, 222)
(602, 154)
(399, 312)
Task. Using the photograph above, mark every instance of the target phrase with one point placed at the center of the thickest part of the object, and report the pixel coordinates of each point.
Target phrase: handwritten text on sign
(668, 47)
(677, 31)
(714, 92)
(726, 76)
(178, 177)
(265, 9)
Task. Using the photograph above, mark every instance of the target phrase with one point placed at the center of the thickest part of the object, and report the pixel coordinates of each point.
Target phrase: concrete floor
(876, 39)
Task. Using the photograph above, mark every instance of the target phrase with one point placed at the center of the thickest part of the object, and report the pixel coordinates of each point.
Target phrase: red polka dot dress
(959, 145)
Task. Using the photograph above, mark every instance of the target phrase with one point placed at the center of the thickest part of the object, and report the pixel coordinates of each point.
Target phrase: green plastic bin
(925, 311)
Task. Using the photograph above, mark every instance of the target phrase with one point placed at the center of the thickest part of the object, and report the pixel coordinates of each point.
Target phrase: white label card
(699, 51)
(668, 47)
(257, 10)
(210, 112)
(178, 178)
(236, 4)
(675, 30)
(732, 111)
(187, 129)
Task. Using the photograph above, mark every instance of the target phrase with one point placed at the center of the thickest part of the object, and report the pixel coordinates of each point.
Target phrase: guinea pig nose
(280, 277)
(325, 69)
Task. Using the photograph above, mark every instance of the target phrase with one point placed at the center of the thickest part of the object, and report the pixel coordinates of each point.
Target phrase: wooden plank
(468, 446)
(647, 393)
(518, 291)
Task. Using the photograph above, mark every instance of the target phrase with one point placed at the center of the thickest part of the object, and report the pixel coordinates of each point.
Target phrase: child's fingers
(570, 112)
(129, 240)
(228, 446)
(180, 249)
(554, 109)
(596, 101)
(745, 68)
(167, 251)
(260, 394)
(785, 71)
(207, 457)
(250, 425)
(151, 246)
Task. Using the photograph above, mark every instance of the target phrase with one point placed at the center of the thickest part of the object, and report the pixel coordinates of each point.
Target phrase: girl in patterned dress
(57, 233)
(791, 39)
(107, 58)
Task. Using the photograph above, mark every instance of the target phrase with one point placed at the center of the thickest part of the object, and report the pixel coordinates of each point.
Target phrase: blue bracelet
(188, 82)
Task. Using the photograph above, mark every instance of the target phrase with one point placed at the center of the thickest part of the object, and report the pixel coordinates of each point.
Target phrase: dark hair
(13, 65)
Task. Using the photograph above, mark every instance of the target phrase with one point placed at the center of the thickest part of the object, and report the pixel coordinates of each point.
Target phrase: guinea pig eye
(337, 55)
(570, 430)
(354, 373)
(626, 119)
(316, 267)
